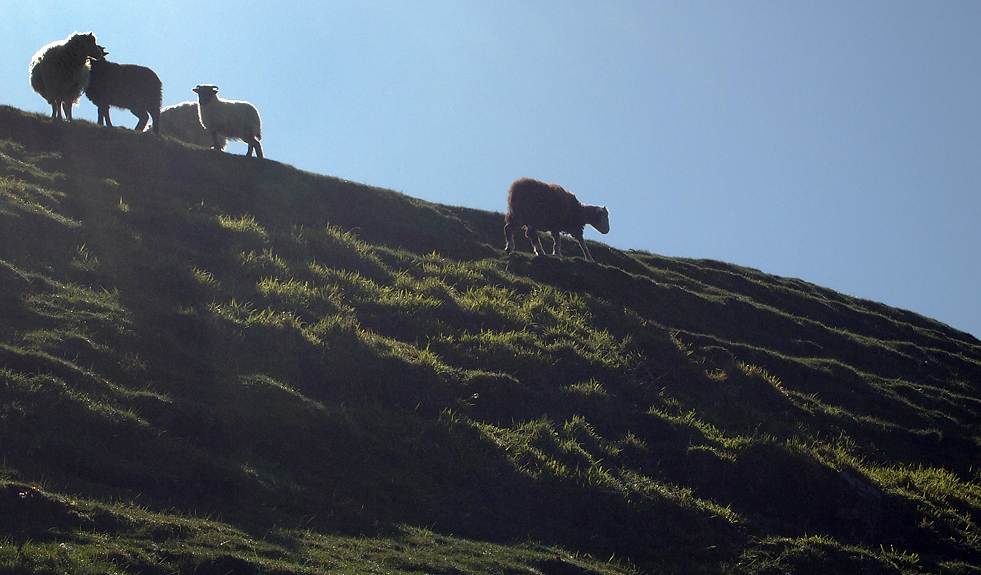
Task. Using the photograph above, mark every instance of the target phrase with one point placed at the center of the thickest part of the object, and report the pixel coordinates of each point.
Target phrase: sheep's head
(206, 92)
(90, 47)
(599, 218)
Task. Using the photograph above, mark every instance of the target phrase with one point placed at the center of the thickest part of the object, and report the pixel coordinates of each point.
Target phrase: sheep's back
(124, 86)
(544, 205)
(234, 119)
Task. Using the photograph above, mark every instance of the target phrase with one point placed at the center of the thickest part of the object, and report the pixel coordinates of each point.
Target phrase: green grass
(211, 364)
(90, 538)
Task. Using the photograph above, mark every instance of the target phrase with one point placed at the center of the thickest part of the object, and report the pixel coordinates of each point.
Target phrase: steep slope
(216, 364)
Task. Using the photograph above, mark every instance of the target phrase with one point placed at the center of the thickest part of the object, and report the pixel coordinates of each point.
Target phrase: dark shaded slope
(211, 336)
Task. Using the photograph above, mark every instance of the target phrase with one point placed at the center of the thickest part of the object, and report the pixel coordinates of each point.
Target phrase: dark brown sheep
(134, 88)
(535, 205)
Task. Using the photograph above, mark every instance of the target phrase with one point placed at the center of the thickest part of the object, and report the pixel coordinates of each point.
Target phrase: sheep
(230, 118)
(183, 121)
(533, 204)
(59, 72)
(134, 88)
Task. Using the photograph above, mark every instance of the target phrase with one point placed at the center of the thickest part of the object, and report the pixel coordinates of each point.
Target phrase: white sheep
(60, 71)
(183, 121)
(229, 118)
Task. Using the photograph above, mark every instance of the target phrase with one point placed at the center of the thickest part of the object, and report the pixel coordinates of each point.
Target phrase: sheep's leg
(56, 110)
(144, 118)
(509, 237)
(582, 244)
(214, 139)
(253, 143)
(104, 115)
(155, 116)
(557, 247)
(67, 106)
(536, 242)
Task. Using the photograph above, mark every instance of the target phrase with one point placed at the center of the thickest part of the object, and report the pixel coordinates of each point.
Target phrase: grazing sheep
(536, 205)
(60, 71)
(134, 88)
(183, 121)
(230, 118)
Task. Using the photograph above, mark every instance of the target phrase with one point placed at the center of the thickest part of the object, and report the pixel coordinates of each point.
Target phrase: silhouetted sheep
(230, 118)
(134, 88)
(183, 121)
(60, 71)
(535, 205)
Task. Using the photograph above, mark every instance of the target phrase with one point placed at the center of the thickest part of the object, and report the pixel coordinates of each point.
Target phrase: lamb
(230, 118)
(134, 88)
(60, 71)
(533, 204)
(183, 121)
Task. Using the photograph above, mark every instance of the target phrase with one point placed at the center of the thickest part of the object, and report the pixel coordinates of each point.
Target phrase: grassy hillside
(213, 364)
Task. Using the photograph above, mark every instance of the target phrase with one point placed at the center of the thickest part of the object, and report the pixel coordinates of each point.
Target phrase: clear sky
(835, 142)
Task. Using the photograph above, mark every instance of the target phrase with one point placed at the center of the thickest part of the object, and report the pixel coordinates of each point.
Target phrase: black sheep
(535, 205)
(135, 88)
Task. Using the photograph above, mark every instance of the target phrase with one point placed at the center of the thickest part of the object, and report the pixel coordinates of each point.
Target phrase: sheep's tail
(37, 82)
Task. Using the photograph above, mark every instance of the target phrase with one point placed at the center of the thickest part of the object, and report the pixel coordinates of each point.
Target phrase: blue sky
(836, 142)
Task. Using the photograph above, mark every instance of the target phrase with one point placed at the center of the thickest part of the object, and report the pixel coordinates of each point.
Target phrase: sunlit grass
(245, 225)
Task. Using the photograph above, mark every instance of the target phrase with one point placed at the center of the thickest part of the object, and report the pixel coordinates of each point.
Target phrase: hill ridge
(212, 364)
